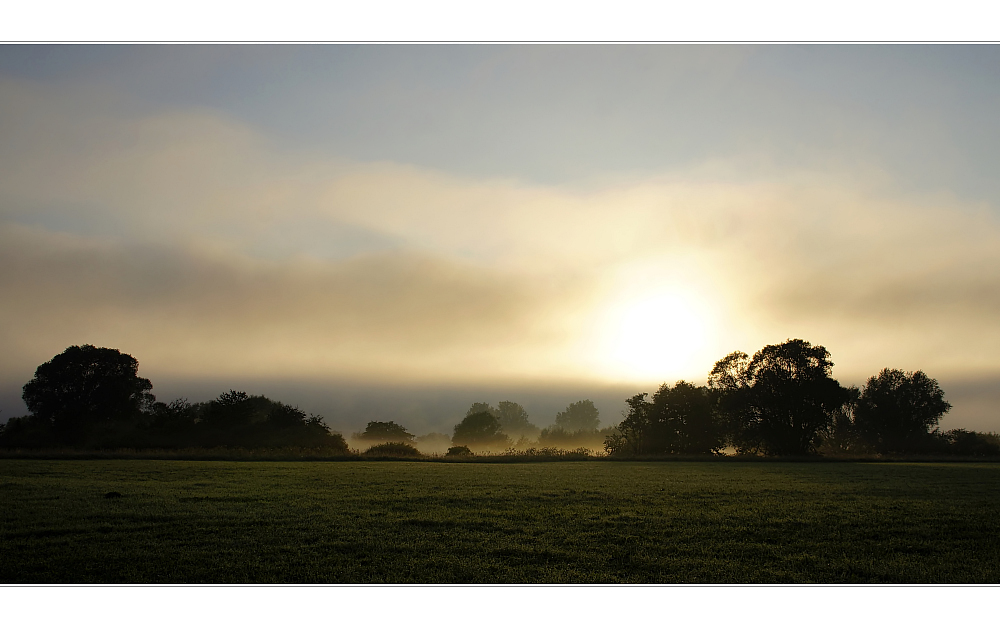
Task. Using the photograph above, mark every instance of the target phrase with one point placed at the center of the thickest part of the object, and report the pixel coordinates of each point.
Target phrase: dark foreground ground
(572, 522)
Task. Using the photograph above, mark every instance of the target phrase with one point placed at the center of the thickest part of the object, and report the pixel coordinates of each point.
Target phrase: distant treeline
(496, 429)
(781, 402)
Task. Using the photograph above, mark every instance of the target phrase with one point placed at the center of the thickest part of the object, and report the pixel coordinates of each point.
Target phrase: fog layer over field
(348, 407)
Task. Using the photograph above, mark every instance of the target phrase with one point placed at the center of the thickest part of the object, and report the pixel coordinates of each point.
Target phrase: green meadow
(557, 522)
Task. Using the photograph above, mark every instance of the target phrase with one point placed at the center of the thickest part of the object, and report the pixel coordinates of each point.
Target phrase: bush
(27, 432)
(385, 431)
(460, 450)
(396, 450)
(968, 443)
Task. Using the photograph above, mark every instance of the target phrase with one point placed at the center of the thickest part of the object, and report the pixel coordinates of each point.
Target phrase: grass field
(569, 522)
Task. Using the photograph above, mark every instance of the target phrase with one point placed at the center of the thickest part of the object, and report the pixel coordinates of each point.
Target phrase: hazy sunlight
(659, 335)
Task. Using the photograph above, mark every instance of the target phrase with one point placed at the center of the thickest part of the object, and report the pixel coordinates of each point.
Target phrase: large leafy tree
(684, 422)
(86, 386)
(514, 420)
(480, 430)
(776, 402)
(896, 410)
(578, 416)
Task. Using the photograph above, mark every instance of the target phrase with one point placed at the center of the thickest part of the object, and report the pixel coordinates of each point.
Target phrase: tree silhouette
(386, 431)
(578, 416)
(237, 419)
(678, 420)
(841, 435)
(480, 430)
(84, 387)
(777, 402)
(967, 443)
(482, 406)
(895, 410)
(283, 415)
(683, 421)
(631, 435)
(514, 420)
(235, 409)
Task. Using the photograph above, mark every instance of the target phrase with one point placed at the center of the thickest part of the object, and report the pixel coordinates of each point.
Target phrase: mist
(497, 222)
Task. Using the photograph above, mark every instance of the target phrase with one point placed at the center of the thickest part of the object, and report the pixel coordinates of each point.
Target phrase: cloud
(393, 314)
(198, 245)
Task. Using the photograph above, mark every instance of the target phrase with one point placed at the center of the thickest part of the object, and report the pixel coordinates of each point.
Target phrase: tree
(683, 421)
(237, 419)
(284, 415)
(26, 432)
(480, 430)
(84, 387)
(896, 410)
(630, 435)
(678, 420)
(841, 435)
(178, 415)
(778, 401)
(482, 406)
(514, 420)
(965, 443)
(386, 431)
(235, 409)
(578, 416)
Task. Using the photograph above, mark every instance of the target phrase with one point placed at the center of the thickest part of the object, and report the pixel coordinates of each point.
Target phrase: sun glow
(656, 336)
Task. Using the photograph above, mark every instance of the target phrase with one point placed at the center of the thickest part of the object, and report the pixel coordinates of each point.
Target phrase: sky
(379, 231)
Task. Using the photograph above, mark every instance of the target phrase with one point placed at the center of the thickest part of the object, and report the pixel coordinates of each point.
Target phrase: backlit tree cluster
(92, 397)
(784, 401)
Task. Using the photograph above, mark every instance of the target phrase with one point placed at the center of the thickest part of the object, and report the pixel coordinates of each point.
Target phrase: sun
(655, 336)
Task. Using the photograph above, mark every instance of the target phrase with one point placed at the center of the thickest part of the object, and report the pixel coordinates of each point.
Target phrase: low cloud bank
(189, 241)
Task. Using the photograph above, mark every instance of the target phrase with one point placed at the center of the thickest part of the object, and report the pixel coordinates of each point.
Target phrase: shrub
(968, 443)
(460, 450)
(28, 432)
(399, 450)
(386, 431)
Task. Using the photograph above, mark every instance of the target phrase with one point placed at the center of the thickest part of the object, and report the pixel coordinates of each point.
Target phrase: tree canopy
(480, 430)
(514, 420)
(777, 402)
(92, 397)
(86, 386)
(677, 420)
(896, 410)
(482, 406)
(386, 431)
(684, 420)
(578, 416)
(782, 401)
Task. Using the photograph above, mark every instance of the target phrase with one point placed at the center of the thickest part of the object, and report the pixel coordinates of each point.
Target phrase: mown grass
(571, 522)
